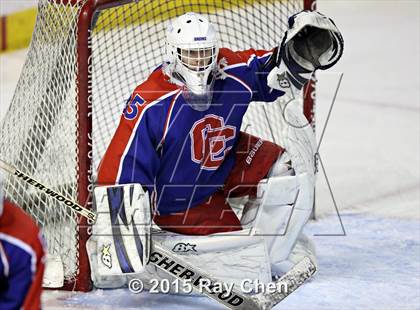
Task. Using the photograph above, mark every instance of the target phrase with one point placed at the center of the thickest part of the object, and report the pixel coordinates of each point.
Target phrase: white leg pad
(285, 188)
(304, 247)
(274, 191)
(279, 213)
(229, 257)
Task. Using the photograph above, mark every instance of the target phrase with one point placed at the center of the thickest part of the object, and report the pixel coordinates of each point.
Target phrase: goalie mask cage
(85, 59)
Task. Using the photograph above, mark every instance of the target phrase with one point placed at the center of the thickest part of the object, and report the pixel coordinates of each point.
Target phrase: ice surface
(371, 146)
(376, 266)
(371, 154)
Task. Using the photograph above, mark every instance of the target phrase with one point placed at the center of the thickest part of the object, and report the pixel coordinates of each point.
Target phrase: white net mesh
(39, 132)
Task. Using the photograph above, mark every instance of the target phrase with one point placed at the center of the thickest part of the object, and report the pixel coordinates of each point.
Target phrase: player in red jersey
(21, 258)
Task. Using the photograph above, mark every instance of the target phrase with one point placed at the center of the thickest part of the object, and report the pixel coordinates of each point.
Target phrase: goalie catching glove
(312, 42)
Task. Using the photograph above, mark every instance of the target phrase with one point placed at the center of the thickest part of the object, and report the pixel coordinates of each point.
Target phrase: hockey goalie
(178, 159)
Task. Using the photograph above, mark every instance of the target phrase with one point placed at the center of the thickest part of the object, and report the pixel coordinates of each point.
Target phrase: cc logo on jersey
(132, 108)
(209, 141)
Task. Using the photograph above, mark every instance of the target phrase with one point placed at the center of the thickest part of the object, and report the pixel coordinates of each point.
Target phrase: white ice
(371, 155)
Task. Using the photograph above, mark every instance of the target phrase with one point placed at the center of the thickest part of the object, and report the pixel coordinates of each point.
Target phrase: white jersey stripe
(5, 262)
(165, 130)
(241, 82)
(22, 245)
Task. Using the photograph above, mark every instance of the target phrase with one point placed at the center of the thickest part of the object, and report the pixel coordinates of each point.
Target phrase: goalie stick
(174, 265)
(51, 193)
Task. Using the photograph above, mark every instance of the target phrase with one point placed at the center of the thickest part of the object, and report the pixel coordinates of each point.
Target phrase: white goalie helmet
(192, 48)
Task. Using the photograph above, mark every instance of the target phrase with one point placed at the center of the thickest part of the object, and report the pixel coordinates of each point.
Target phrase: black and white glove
(312, 42)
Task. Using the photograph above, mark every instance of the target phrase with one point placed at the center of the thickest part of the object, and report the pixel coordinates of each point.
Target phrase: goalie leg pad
(283, 206)
(304, 247)
(229, 257)
(99, 278)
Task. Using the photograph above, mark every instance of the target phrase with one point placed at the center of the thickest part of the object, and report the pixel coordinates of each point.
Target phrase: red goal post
(85, 58)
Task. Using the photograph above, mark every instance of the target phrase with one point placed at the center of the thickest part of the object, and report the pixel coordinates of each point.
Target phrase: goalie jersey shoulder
(146, 108)
(154, 90)
(245, 57)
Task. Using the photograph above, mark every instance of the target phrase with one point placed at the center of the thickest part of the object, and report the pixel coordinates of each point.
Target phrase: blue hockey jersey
(181, 155)
(21, 259)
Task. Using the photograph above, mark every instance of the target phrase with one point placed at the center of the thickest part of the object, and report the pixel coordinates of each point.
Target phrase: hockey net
(85, 59)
